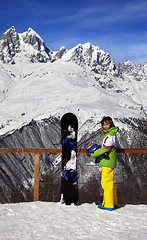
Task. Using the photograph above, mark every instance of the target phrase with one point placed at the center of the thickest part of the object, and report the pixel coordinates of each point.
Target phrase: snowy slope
(40, 220)
(42, 90)
(6, 82)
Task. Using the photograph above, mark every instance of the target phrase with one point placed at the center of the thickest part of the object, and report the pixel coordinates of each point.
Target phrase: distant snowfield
(47, 220)
(43, 90)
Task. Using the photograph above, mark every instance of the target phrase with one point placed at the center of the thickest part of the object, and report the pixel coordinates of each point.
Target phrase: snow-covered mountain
(37, 86)
(83, 79)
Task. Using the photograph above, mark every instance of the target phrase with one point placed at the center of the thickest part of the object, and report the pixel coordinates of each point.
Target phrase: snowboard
(69, 174)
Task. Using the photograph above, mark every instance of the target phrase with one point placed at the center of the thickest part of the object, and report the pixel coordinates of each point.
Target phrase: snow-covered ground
(46, 220)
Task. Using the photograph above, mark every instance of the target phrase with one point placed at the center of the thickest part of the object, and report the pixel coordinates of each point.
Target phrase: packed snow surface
(46, 220)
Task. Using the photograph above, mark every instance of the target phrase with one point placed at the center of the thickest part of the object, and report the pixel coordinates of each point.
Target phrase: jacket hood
(112, 130)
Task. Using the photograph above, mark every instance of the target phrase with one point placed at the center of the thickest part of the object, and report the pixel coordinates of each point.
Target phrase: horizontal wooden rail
(133, 150)
(37, 151)
(59, 150)
(30, 150)
(122, 150)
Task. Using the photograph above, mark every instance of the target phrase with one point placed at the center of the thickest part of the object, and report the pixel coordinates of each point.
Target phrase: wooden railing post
(36, 176)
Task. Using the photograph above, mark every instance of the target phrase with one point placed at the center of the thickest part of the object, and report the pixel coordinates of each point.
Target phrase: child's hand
(89, 154)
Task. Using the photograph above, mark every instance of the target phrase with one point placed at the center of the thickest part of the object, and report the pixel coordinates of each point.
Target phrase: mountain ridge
(16, 47)
(34, 37)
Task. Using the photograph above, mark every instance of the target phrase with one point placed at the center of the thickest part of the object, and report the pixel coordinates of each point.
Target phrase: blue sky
(117, 27)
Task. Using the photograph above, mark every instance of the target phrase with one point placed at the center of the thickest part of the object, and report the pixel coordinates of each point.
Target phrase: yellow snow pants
(109, 187)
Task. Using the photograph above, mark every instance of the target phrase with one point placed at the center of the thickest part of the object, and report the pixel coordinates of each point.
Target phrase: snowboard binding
(70, 143)
(70, 175)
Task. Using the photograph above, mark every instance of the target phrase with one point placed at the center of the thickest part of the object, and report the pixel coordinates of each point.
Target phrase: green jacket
(109, 146)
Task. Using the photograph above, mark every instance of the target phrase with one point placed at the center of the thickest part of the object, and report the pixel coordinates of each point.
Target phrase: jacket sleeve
(109, 143)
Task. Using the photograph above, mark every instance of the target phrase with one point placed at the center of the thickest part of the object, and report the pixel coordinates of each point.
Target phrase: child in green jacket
(108, 163)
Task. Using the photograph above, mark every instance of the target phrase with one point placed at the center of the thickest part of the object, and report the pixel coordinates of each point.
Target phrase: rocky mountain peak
(9, 45)
(12, 43)
(139, 72)
(10, 31)
(90, 55)
(32, 38)
(59, 54)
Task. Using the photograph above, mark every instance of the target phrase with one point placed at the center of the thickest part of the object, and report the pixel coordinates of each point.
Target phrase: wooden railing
(37, 151)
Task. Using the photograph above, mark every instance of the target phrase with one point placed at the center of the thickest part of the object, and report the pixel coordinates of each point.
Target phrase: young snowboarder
(108, 162)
